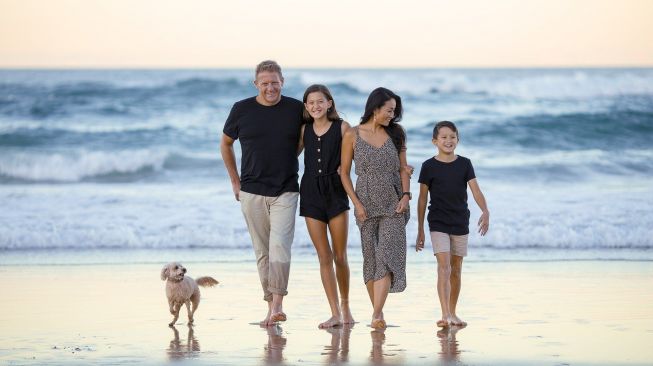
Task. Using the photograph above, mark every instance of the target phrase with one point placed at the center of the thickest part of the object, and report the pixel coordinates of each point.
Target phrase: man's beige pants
(271, 225)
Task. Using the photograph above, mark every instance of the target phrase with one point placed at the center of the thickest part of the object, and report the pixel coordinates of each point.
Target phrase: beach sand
(519, 313)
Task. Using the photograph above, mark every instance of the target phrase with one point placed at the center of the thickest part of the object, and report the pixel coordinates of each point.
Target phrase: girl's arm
(346, 158)
(484, 220)
(421, 210)
(300, 144)
(344, 126)
(405, 183)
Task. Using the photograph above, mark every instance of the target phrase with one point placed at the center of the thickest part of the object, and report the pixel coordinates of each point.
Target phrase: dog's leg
(195, 299)
(175, 312)
(190, 313)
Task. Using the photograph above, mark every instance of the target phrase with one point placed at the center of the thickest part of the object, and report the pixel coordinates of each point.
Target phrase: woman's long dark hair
(376, 100)
(332, 113)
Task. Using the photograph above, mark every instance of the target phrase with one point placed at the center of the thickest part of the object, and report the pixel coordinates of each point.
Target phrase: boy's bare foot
(334, 321)
(455, 320)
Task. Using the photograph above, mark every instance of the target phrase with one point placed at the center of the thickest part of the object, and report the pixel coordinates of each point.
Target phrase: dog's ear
(164, 273)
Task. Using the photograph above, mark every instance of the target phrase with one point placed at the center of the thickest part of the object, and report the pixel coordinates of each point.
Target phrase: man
(268, 127)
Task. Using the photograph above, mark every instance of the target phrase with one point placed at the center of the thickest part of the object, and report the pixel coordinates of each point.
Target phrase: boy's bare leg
(444, 287)
(456, 272)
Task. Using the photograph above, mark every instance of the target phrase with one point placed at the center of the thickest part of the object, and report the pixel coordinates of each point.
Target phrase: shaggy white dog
(182, 289)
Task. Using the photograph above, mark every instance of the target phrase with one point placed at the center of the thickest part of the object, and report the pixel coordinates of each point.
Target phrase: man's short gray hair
(269, 66)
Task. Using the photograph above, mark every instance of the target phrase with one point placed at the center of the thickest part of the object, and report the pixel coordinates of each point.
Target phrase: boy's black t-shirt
(268, 138)
(447, 182)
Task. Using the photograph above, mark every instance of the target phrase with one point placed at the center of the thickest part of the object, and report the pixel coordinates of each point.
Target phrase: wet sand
(519, 313)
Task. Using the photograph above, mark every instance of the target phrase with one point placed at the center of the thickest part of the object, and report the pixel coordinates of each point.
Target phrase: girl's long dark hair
(332, 113)
(376, 100)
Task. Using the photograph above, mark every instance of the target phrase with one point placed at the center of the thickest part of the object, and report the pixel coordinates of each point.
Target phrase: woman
(378, 146)
(323, 202)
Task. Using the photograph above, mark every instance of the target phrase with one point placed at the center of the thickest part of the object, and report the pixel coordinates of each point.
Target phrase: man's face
(269, 87)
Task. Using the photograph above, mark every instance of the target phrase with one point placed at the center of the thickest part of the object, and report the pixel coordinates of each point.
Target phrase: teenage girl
(323, 201)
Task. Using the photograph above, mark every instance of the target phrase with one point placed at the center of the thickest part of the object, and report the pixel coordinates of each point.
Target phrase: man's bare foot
(455, 320)
(265, 322)
(443, 323)
(347, 318)
(334, 321)
(278, 317)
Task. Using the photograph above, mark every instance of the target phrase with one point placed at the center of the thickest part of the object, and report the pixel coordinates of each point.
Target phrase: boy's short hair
(269, 66)
(441, 124)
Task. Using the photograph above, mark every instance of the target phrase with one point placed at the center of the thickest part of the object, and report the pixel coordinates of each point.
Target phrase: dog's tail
(206, 281)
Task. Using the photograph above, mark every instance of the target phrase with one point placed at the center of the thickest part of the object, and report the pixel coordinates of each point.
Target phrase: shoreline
(106, 256)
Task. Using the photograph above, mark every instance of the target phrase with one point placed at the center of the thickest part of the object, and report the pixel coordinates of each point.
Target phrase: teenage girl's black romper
(321, 195)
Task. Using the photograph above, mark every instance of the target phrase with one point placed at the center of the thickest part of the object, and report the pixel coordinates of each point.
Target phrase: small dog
(182, 289)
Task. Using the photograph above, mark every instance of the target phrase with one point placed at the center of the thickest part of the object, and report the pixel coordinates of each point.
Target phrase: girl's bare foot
(347, 318)
(334, 321)
(443, 323)
(455, 320)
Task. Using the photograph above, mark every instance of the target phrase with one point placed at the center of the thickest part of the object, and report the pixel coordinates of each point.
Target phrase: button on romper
(383, 234)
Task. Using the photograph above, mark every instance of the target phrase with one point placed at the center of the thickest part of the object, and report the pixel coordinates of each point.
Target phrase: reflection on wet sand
(378, 339)
(273, 350)
(178, 350)
(338, 350)
(448, 343)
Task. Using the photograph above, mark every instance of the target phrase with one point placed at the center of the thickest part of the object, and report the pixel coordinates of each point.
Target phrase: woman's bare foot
(347, 318)
(455, 320)
(378, 324)
(334, 321)
(443, 323)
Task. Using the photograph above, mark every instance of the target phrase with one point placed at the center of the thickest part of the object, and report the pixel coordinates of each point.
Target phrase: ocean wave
(58, 167)
(112, 99)
(612, 130)
(526, 83)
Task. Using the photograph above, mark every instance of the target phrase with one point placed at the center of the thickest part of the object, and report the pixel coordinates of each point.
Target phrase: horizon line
(199, 67)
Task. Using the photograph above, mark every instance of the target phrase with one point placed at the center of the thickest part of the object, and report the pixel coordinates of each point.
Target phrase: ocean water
(126, 163)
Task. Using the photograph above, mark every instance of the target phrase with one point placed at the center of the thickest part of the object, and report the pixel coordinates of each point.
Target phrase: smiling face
(446, 141)
(269, 86)
(384, 114)
(317, 104)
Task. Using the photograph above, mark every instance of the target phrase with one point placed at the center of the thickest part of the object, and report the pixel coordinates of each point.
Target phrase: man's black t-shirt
(447, 182)
(268, 139)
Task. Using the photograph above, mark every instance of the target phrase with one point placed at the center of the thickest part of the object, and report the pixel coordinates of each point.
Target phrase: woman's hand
(360, 212)
(409, 169)
(402, 205)
(419, 244)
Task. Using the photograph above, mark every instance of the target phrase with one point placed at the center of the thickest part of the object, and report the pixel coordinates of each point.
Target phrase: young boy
(446, 177)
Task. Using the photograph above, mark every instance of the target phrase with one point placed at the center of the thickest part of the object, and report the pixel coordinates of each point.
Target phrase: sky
(335, 33)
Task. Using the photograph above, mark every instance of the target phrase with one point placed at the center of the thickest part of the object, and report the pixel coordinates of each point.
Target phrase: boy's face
(446, 141)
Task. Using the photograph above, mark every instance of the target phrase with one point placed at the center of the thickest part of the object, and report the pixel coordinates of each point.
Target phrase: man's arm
(229, 159)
